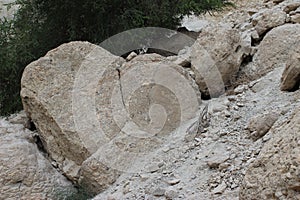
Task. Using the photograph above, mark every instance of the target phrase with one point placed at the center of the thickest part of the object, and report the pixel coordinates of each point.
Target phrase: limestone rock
(25, 173)
(216, 58)
(267, 19)
(275, 173)
(49, 97)
(260, 124)
(295, 18)
(290, 79)
(95, 112)
(277, 47)
(291, 7)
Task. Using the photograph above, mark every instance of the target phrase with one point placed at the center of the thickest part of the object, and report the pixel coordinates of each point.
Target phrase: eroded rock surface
(86, 103)
(25, 173)
(275, 173)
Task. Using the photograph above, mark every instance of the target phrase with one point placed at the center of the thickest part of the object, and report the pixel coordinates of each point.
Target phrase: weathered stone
(220, 188)
(295, 18)
(48, 91)
(25, 173)
(171, 194)
(216, 57)
(277, 168)
(290, 79)
(267, 19)
(131, 56)
(218, 156)
(276, 48)
(260, 124)
(291, 7)
(79, 86)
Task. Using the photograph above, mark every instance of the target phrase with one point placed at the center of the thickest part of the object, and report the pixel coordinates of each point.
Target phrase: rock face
(290, 79)
(25, 173)
(277, 47)
(88, 106)
(275, 173)
(216, 56)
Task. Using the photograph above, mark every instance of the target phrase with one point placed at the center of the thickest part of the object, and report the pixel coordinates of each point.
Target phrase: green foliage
(41, 25)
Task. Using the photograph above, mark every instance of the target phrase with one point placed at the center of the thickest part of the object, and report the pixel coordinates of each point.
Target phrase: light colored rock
(216, 57)
(47, 86)
(25, 173)
(171, 194)
(260, 124)
(276, 48)
(220, 188)
(193, 23)
(79, 86)
(131, 56)
(291, 7)
(275, 173)
(295, 18)
(8, 9)
(290, 79)
(158, 192)
(267, 19)
(217, 156)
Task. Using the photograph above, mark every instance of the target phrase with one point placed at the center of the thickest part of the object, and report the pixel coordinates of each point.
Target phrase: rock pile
(119, 126)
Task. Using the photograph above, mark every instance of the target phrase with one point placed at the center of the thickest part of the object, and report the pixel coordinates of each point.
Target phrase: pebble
(173, 181)
(171, 194)
(220, 189)
(158, 192)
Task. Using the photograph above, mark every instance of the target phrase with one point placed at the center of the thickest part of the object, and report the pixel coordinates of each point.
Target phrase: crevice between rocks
(120, 85)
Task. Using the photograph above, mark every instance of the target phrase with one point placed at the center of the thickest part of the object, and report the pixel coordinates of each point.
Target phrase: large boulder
(25, 173)
(216, 57)
(267, 19)
(290, 79)
(277, 48)
(96, 113)
(47, 94)
(275, 174)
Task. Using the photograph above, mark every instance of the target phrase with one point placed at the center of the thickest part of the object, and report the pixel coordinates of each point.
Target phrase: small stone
(131, 56)
(295, 18)
(153, 168)
(227, 113)
(231, 98)
(171, 194)
(144, 177)
(220, 189)
(223, 166)
(173, 181)
(240, 89)
(158, 192)
(240, 104)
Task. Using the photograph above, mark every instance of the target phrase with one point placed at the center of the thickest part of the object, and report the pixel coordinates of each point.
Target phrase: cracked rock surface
(121, 127)
(25, 173)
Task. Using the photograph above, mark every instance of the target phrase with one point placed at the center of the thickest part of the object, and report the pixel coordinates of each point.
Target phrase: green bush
(41, 25)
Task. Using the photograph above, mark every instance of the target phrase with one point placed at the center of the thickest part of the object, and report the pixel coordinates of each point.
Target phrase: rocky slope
(124, 128)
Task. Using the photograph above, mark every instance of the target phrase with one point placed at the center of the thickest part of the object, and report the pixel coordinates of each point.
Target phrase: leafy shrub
(41, 25)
